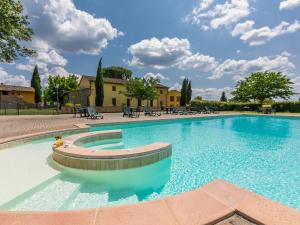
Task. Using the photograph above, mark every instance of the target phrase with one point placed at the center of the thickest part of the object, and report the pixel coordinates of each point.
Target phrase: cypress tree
(36, 84)
(99, 85)
(223, 97)
(189, 92)
(184, 88)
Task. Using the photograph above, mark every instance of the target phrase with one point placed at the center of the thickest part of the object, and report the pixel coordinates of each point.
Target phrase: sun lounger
(93, 114)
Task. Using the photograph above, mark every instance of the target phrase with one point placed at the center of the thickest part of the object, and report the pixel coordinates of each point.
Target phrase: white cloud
(289, 4)
(66, 28)
(12, 79)
(168, 52)
(198, 61)
(241, 68)
(156, 76)
(158, 53)
(214, 16)
(176, 87)
(260, 36)
(212, 93)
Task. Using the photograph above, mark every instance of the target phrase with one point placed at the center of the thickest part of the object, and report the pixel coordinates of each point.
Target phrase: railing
(26, 109)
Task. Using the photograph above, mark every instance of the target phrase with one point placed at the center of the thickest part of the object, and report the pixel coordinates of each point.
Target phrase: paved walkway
(18, 126)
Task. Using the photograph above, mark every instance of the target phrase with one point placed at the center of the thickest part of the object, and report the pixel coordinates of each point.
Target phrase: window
(114, 88)
(178, 99)
(151, 103)
(171, 98)
(128, 102)
(161, 92)
(5, 93)
(114, 101)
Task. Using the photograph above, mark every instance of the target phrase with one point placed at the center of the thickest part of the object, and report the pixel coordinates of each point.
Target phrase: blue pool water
(261, 154)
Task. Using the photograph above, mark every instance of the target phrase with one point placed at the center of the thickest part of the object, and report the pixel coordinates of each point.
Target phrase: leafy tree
(198, 98)
(263, 85)
(184, 91)
(14, 31)
(117, 72)
(60, 84)
(223, 97)
(36, 84)
(189, 92)
(99, 85)
(142, 88)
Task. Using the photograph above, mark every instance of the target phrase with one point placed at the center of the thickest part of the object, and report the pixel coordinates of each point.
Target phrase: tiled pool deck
(213, 203)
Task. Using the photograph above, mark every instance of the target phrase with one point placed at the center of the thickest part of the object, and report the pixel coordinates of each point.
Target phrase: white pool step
(51, 197)
(89, 197)
(112, 146)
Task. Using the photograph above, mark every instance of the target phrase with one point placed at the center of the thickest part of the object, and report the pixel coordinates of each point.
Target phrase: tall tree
(263, 85)
(117, 72)
(59, 84)
(99, 85)
(189, 92)
(14, 31)
(36, 84)
(223, 97)
(142, 88)
(184, 89)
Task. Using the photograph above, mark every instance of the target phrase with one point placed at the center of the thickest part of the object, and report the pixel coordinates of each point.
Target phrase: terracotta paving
(199, 207)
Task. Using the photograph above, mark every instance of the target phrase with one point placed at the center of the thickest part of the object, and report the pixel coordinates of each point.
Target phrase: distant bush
(69, 104)
(226, 106)
(246, 106)
(286, 106)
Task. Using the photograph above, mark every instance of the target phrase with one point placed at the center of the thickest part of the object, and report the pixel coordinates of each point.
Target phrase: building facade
(173, 98)
(114, 99)
(10, 94)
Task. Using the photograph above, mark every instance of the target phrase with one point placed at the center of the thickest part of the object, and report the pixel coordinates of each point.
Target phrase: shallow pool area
(258, 153)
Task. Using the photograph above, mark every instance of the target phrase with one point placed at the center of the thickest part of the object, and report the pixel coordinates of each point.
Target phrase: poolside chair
(127, 111)
(149, 112)
(182, 110)
(93, 114)
(207, 110)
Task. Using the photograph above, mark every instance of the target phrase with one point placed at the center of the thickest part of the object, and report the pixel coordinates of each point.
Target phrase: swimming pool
(258, 153)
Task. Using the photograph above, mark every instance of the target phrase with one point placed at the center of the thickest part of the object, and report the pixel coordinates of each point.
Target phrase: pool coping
(208, 204)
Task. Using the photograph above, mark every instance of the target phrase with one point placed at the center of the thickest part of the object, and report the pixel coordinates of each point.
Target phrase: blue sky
(213, 42)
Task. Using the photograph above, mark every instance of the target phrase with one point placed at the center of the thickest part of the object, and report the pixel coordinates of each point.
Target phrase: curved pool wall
(72, 154)
(257, 153)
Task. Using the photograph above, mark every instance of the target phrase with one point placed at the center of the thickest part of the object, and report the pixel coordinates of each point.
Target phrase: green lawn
(27, 112)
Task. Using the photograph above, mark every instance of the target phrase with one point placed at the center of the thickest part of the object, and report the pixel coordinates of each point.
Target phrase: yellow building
(173, 98)
(16, 94)
(114, 100)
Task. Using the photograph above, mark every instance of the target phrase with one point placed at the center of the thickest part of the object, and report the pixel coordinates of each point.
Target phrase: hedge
(246, 106)
(226, 106)
(286, 106)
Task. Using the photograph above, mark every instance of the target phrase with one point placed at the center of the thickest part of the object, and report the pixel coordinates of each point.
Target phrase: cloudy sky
(212, 42)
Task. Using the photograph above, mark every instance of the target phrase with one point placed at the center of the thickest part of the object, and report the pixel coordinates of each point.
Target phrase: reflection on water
(262, 134)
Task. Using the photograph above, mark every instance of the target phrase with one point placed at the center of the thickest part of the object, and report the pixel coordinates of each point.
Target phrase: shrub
(69, 104)
(226, 106)
(246, 106)
(286, 106)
